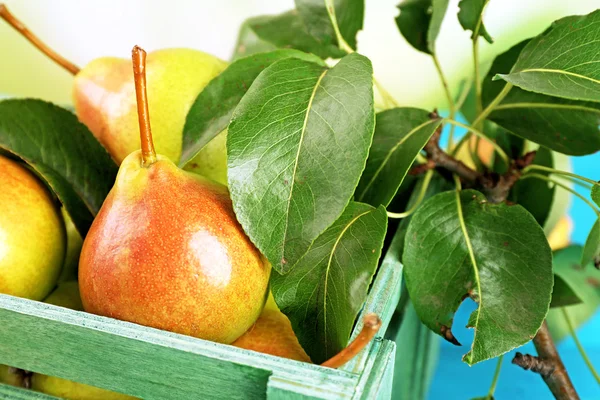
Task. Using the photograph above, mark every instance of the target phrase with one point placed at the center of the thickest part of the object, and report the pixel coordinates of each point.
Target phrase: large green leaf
(212, 110)
(287, 30)
(349, 16)
(567, 126)
(400, 134)
(297, 145)
(63, 151)
(536, 195)
(323, 295)
(470, 17)
(591, 249)
(420, 22)
(563, 61)
(510, 278)
(584, 281)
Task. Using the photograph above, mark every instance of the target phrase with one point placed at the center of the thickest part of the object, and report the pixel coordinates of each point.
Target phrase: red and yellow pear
(105, 101)
(166, 250)
(32, 233)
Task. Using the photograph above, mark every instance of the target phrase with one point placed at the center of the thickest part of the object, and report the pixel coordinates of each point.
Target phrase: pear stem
(33, 39)
(371, 325)
(138, 56)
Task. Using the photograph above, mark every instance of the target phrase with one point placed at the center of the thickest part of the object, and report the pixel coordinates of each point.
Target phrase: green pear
(211, 161)
(166, 249)
(104, 99)
(32, 234)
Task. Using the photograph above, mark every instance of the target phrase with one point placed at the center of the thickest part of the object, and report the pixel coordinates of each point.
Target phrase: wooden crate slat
(143, 361)
(8, 392)
(376, 380)
(382, 300)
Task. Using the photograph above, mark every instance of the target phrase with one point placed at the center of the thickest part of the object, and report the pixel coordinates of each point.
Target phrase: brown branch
(495, 187)
(548, 365)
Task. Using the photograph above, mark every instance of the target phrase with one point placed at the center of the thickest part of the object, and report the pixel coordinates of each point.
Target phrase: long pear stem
(33, 39)
(371, 325)
(138, 56)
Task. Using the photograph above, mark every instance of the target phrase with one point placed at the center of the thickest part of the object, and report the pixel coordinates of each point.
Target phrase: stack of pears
(165, 250)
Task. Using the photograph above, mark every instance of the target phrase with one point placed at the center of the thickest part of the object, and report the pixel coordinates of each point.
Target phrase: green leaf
(323, 295)
(567, 126)
(297, 145)
(287, 30)
(349, 16)
(400, 134)
(249, 43)
(562, 61)
(563, 294)
(511, 278)
(591, 249)
(536, 195)
(596, 193)
(63, 151)
(470, 17)
(584, 281)
(212, 110)
(420, 22)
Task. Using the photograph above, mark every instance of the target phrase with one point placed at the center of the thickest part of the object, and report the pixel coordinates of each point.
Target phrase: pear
(11, 376)
(273, 334)
(32, 234)
(67, 295)
(104, 100)
(74, 243)
(166, 250)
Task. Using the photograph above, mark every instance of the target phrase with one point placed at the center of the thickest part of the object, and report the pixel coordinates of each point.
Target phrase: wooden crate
(154, 364)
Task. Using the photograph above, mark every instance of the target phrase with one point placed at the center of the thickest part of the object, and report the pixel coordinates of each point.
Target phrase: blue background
(454, 379)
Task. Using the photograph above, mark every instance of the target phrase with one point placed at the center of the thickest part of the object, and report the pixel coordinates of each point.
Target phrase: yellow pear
(32, 234)
(11, 376)
(272, 334)
(104, 100)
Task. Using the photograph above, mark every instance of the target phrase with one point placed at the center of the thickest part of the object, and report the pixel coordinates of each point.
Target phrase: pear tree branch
(548, 365)
(496, 187)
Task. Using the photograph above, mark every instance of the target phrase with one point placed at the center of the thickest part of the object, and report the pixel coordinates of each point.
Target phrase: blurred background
(84, 30)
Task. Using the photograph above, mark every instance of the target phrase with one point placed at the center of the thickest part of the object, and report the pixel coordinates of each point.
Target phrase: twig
(549, 365)
(495, 187)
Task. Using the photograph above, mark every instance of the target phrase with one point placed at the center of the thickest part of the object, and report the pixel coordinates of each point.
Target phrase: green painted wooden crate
(154, 364)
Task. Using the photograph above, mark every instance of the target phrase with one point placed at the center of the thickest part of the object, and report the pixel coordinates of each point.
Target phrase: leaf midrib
(339, 238)
(547, 105)
(389, 155)
(555, 71)
(296, 161)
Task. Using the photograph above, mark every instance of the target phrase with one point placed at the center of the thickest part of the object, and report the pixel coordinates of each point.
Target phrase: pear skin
(104, 98)
(211, 161)
(273, 334)
(69, 390)
(32, 234)
(74, 243)
(166, 251)
(11, 376)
